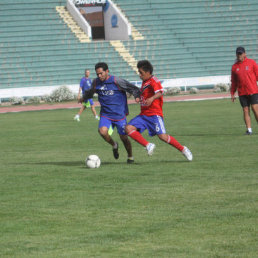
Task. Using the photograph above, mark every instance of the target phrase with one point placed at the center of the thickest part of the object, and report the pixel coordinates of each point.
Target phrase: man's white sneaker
(150, 148)
(77, 118)
(187, 153)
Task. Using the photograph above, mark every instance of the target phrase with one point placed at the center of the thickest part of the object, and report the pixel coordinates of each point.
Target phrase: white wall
(168, 83)
(84, 25)
(32, 91)
(116, 25)
(195, 81)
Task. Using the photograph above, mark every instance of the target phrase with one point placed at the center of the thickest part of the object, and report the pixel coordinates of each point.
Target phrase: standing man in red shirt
(244, 77)
(151, 116)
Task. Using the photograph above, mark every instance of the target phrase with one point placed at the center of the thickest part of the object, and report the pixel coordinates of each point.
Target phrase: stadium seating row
(38, 49)
(204, 33)
(181, 39)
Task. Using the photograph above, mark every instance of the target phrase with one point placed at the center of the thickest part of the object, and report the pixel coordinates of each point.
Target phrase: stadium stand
(38, 49)
(192, 38)
(181, 38)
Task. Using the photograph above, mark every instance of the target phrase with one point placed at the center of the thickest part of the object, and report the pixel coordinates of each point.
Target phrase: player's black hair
(145, 65)
(102, 65)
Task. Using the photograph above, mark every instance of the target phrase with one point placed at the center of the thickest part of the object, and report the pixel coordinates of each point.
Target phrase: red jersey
(150, 88)
(243, 77)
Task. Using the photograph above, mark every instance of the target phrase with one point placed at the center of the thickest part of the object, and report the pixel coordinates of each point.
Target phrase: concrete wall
(185, 83)
(116, 25)
(84, 25)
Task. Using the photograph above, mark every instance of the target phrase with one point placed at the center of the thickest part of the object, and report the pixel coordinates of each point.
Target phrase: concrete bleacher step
(68, 19)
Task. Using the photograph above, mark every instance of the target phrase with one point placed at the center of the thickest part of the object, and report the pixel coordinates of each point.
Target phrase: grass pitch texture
(51, 205)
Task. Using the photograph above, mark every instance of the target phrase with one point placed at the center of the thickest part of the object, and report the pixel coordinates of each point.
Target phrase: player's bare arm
(150, 100)
(233, 97)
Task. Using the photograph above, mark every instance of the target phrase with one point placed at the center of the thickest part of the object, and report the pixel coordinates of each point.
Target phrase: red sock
(138, 138)
(172, 141)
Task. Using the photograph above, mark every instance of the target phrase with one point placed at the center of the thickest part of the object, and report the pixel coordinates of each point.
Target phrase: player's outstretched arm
(88, 94)
(128, 87)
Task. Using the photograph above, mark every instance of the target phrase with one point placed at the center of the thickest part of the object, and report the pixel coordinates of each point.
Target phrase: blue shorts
(120, 125)
(154, 124)
(88, 103)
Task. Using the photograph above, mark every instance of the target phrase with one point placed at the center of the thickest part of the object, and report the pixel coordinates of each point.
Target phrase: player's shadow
(162, 162)
(62, 163)
(143, 162)
(81, 164)
(210, 134)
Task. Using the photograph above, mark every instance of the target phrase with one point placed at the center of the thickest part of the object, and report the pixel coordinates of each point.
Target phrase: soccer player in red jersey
(151, 116)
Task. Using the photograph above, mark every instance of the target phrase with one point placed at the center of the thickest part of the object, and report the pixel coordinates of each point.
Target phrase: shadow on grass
(144, 162)
(113, 163)
(207, 134)
(60, 163)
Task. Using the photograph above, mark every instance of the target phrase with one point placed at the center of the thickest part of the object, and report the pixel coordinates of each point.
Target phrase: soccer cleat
(97, 117)
(77, 118)
(130, 160)
(248, 133)
(187, 153)
(150, 148)
(115, 151)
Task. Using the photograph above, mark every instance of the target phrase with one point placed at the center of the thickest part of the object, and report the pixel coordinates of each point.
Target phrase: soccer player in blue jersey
(112, 97)
(85, 84)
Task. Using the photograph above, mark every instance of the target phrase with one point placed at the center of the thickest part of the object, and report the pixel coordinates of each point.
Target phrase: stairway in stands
(37, 48)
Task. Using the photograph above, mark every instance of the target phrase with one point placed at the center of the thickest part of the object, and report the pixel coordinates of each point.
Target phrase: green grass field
(51, 205)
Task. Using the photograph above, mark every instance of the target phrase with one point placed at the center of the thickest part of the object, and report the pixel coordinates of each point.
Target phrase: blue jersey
(85, 84)
(112, 99)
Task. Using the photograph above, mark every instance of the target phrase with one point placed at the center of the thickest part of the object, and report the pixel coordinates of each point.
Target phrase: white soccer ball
(92, 161)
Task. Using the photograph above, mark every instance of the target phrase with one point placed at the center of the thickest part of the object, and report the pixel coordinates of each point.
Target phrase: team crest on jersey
(237, 69)
(103, 87)
(103, 90)
(246, 68)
